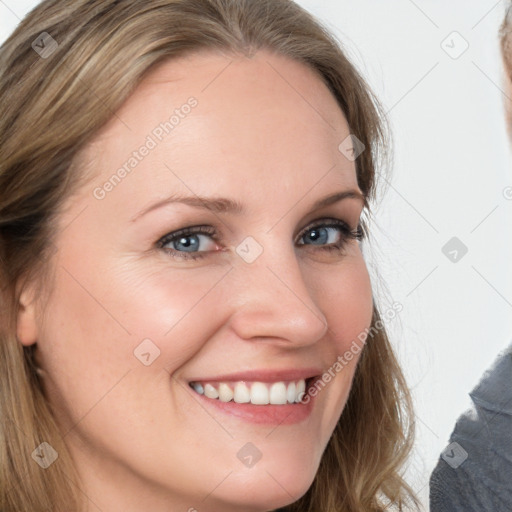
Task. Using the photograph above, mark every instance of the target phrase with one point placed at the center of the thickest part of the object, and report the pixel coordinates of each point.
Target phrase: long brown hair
(64, 72)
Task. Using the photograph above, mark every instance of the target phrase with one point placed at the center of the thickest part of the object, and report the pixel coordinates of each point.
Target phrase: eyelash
(347, 235)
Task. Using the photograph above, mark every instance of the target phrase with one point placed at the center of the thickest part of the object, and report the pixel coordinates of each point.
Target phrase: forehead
(219, 123)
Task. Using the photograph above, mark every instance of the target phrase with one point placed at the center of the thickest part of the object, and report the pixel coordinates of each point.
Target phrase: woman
(185, 300)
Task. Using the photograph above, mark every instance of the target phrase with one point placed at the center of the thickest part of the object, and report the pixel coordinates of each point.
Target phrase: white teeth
(278, 393)
(242, 393)
(225, 392)
(210, 391)
(257, 393)
(290, 394)
(300, 390)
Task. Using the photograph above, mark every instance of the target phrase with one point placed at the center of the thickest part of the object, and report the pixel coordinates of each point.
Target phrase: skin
(140, 437)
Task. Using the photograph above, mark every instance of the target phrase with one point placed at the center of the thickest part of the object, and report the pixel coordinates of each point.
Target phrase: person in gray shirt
(474, 472)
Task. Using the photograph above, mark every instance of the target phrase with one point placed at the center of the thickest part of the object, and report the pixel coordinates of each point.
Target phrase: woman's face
(218, 256)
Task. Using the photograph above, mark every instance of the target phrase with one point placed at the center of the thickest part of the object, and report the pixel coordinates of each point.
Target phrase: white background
(450, 168)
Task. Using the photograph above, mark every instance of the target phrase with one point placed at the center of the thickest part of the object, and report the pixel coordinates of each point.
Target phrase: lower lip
(286, 414)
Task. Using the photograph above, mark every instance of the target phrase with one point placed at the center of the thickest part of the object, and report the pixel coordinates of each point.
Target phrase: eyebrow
(225, 205)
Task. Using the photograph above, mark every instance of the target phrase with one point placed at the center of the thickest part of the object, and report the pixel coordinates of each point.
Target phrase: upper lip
(263, 375)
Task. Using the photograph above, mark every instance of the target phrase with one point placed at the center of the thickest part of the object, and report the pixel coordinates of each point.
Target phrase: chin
(263, 489)
(259, 495)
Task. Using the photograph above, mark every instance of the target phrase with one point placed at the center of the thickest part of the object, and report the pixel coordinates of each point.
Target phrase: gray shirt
(474, 472)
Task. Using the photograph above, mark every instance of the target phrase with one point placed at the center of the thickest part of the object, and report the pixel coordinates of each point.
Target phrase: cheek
(105, 320)
(347, 302)
(177, 309)
(345, 297)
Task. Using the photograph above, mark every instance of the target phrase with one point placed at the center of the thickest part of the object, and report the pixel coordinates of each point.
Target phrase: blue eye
(188, 243)
(330, 234)
(321, 235)
(185, 243)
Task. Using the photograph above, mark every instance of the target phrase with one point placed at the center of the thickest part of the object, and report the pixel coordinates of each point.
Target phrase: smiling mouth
(254, 392)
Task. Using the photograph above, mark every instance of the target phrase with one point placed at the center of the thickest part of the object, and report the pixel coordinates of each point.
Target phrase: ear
(26, 325)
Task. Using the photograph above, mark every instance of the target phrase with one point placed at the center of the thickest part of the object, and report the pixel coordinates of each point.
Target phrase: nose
(273, 301)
